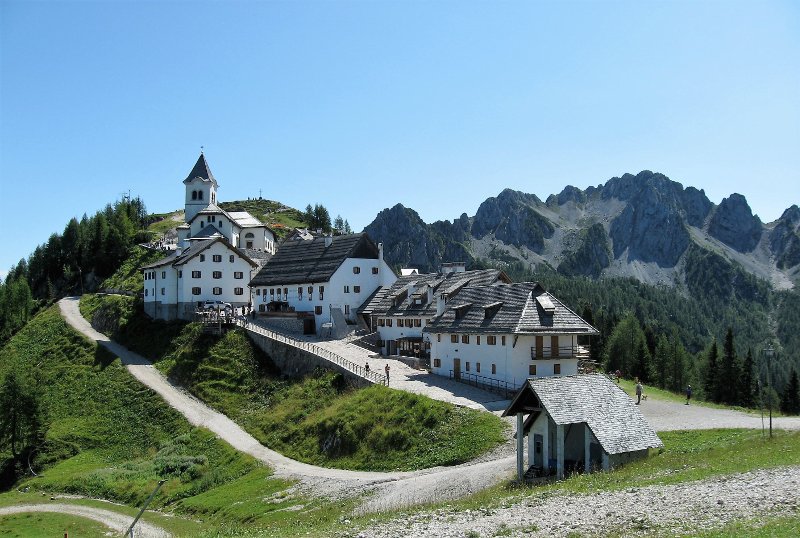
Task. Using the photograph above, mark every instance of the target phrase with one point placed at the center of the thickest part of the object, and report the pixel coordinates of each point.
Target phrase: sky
(359, 105)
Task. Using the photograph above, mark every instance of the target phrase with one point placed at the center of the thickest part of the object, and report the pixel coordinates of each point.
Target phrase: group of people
(386, 369)
(640, 390)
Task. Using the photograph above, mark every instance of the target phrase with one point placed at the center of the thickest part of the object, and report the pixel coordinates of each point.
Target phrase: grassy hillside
(318, 419)
(110, 438)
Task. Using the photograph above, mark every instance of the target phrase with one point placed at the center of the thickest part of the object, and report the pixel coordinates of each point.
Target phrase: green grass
(317, 420)
(674, 397)
(166, 222)
(763, 526)
(43, 524)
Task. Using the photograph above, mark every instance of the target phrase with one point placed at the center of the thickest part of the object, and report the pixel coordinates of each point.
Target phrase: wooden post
(587, 452)
(520, 448)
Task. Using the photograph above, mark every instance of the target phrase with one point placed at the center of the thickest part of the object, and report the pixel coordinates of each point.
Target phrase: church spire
(200, 170)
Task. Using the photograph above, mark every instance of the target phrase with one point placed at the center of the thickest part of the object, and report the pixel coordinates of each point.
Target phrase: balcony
(561, 352)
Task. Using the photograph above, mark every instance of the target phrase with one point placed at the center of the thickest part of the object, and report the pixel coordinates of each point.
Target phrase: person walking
(366, 367)
(639, 390)
(688, 394)
(387, 374)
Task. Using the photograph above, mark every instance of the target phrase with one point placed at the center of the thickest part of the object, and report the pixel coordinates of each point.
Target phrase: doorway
(457, 369)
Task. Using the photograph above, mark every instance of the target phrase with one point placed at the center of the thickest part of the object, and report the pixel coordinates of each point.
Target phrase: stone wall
(283, 325)
(296, 362)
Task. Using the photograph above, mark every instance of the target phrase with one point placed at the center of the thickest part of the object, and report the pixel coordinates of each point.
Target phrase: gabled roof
(195, 248)
(201, 170)
(592, 399)
(209, 231)
(510, 309)
(245, 219)
(299, 262)
(396, 301)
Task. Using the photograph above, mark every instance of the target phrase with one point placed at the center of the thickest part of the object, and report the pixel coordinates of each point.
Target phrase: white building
(400, 312)
(324, 279)
(502, 335)
(217, 254)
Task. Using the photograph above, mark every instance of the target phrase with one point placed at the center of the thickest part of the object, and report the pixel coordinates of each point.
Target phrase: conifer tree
(710, 382)
(731, 372)
(790, 399)
(747, 387)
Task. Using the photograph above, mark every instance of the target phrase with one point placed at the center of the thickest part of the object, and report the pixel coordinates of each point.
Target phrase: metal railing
(564, 352)
(493, 385)
(320, 352)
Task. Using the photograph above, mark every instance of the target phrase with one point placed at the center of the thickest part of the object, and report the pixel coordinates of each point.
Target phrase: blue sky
(360, 105)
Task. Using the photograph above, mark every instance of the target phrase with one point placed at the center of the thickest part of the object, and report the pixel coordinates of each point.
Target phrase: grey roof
(299, 262)
(200, 170)
(593, 399)
(399, 298)
(508, 308)
(195, 248)
(209, 231)
(245, 219)
(256, 254)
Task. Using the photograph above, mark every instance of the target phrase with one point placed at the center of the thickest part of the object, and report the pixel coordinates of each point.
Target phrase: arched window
(199, 195)
(249, 235)
(194, 195)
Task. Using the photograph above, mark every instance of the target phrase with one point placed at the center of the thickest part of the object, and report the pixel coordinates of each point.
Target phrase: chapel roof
(201, 171)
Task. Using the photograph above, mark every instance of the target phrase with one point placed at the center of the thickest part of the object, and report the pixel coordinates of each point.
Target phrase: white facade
(349, 286)
(217, 273)
(199, 194)
(504, 358)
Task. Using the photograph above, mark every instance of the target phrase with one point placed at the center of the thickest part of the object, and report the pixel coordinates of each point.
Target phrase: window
(180, 274)
(163, 292)
(238, 275)
(272, 291)
(477, 367)
(231, 258)
(195, 291)
(557, 369)
(217, 257)
(286, 292)
(532, 369)
(212, 218)
(503, 340)
(146, 292)
(217, 274)
(347, 289)
(467, 366)
(278, 293)
(217, 291)
(453, 338)
(321, 292)
(381, 322)
(389, 322)
(199, 195)
(163, 274)
(347, 310)
(300, 292)
(356, 270)
(194, 195)
(478, 340)
(318, 310)
(202, 257)
(491, 340)
(494, 368)
(356, 289)
(196, 274)
(374, 270)
(417, 323)
(438, 337)
(238, 291)
(465, 339)
(437, 363)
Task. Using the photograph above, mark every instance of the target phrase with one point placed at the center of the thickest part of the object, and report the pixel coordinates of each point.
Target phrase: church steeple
(201, 188)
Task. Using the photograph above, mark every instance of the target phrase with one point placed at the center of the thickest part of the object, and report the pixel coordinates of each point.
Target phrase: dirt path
(113, 520)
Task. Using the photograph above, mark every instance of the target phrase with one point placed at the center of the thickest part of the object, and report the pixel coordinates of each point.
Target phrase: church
(218, 253)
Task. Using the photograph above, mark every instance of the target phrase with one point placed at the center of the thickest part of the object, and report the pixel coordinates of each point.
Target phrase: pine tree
(338, 224)
(20, 427)
(731, 372)
(661, 361)
(747, 387)
(790, 399)
(711, 379)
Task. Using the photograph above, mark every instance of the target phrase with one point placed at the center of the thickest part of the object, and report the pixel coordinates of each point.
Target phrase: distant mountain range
(643, 226)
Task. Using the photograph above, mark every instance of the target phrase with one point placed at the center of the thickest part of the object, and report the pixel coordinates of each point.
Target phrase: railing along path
(321, 352)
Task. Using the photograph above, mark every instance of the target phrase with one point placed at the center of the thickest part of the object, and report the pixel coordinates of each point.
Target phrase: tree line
(88, 251)
(318, 218)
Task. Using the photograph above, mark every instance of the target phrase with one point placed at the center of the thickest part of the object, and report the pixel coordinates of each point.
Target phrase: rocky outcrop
(734, 224)
(784, 239)
(569, 194)
(513, 219)
(651, 227)
(592, 255)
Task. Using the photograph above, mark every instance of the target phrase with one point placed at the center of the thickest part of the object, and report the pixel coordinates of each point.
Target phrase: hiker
(366, 367)
(688, 394)
(639, 389)
(387, 373)
(618, 374)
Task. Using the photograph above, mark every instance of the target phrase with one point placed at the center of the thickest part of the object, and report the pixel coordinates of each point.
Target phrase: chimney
(441, 302)
(380, 252)
(328, 240)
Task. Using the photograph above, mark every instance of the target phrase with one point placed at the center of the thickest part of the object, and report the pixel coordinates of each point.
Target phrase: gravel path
(113, 520)
(686, 508)
(668, 416)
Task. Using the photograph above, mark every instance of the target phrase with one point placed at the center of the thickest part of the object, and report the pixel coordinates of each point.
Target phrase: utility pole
(129, 532)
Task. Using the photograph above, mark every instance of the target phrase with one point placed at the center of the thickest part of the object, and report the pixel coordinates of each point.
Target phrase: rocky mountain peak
(734, 224)
(512, 218)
